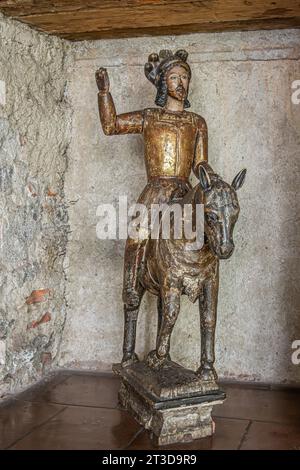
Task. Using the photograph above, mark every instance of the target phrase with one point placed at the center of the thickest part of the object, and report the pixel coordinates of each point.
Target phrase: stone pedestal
(172, 403)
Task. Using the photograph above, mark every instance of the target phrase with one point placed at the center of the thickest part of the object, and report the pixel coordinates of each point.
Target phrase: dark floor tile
(18, 418)
(82, 390)
(83, 428)
(228, 435)
(42, 388)
(260, 405)
(272, 436)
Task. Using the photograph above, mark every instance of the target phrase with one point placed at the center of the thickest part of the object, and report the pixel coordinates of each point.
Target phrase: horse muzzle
(225, 251)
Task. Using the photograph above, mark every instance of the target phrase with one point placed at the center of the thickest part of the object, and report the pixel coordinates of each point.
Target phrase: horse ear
(204, 179)
(239, 179)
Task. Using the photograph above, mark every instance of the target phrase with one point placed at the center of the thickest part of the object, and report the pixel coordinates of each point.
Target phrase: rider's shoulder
(199, 120)
(152, 110)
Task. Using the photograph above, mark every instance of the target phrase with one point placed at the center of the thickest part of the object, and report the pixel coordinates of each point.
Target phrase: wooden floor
(80, 411)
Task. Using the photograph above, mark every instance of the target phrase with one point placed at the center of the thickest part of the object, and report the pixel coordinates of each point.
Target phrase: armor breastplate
(170, 140)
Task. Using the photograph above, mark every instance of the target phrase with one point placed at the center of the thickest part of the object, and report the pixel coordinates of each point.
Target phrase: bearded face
(177, 80)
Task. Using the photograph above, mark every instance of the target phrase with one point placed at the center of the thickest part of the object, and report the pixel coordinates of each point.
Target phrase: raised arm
(127, 123)
(201, 148)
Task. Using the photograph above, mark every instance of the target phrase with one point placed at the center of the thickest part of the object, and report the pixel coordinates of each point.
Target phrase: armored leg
(130, 320)
(134, 251)
(132, 296)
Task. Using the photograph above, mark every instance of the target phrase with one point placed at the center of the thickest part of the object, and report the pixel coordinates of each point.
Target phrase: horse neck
(176, 246)
(193, 197)
(197, 196)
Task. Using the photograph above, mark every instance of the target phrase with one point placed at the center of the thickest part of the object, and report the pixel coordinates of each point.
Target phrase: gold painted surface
(175, 143)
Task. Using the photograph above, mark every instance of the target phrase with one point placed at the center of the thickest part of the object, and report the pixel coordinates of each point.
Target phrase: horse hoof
(207, 374)
(155, 362)
(129, 359)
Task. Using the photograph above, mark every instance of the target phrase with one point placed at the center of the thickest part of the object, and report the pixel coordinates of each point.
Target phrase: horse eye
(211, 217)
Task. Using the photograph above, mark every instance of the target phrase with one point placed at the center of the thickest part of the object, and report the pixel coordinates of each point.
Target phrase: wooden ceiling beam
(96, 19)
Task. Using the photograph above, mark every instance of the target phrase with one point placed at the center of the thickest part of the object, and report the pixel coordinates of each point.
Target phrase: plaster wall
(241, 85)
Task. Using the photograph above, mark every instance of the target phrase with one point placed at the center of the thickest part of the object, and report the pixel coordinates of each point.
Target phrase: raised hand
(102, 80)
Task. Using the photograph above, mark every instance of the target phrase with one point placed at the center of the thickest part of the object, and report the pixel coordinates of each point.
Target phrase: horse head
(221, 210)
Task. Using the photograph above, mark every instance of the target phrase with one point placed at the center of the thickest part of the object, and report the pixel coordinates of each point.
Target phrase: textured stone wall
(34, 136)
(60, 302)
(242, 86)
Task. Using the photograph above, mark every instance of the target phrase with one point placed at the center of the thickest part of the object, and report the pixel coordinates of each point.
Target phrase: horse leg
(159, 315)
(170, 311)
(130, 321)
(159, 319)
(208, 314)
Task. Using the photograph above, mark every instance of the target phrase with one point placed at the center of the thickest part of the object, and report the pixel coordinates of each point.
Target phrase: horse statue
(170, 270)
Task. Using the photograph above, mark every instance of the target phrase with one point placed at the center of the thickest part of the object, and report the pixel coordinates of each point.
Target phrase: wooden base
(183, 418)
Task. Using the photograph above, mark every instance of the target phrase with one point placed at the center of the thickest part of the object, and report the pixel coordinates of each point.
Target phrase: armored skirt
(159, 190)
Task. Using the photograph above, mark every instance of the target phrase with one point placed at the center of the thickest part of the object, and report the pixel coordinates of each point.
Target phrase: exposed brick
(44, 319)
(51, 193)
(37, 296)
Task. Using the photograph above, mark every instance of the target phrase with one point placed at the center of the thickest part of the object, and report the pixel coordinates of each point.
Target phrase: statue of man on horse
(175, 143)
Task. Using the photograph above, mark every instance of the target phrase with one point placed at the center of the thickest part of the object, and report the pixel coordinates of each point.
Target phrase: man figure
(175, 143)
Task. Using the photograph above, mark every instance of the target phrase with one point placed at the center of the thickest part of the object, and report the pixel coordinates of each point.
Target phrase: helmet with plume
(157, 67)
